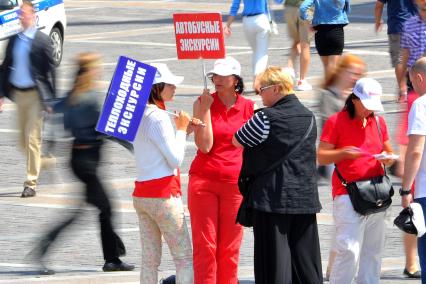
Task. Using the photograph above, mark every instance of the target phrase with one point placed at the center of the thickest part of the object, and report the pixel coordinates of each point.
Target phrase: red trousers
(215, 235)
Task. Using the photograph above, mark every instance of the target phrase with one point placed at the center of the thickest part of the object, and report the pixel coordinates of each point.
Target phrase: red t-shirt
(402, 137)
(340, 130)
(223, 162)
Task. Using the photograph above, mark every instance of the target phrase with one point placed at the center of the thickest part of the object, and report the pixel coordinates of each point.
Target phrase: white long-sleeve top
(159, 150)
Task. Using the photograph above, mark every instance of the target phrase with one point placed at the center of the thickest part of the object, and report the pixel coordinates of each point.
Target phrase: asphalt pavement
(143, 30)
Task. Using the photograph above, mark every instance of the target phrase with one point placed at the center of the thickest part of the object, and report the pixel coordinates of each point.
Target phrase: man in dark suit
(28, 78)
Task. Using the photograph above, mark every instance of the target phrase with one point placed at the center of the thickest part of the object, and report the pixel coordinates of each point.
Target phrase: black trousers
(286, 249)
(84, 163)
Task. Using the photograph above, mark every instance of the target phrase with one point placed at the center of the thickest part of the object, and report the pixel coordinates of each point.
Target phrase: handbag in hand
(245, 212)
(372, 195)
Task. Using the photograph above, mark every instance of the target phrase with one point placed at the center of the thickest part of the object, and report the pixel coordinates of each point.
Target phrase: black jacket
(291, 188)
(42, 67)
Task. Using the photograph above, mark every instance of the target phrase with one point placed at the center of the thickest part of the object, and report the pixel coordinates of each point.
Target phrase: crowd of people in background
(255, 166)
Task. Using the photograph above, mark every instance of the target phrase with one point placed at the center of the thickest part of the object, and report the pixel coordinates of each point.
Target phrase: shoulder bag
(371, 195)
(245, 213)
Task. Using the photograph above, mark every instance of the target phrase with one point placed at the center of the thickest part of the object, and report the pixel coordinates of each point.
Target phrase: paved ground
(143, 30)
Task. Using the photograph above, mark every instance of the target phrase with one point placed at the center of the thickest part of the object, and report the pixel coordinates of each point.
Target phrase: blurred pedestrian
(256, 28)
(414, 167)
(339, 85)
(284, 197)
(157, 198)
(349, 139)
(301, 35)
(81, 112)
(332, 100)
(330, 16)
(213, 196)
(397, 13)
(28, 78)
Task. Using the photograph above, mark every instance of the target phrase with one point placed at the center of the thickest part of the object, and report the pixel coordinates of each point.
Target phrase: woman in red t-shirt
(349, 139)
(213, 195)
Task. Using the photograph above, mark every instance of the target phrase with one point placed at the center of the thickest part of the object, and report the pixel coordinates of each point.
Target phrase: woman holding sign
(213, 195)
(157, 197)
(256, 29)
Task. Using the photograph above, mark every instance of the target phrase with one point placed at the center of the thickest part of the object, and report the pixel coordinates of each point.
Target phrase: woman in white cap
(213, 195)
(157, 197)
(350, 139)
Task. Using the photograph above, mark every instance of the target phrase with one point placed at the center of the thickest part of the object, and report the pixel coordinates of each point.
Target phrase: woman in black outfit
(279, 156)
(330, 16)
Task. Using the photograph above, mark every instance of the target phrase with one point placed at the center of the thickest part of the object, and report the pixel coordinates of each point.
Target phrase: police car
(50, 19)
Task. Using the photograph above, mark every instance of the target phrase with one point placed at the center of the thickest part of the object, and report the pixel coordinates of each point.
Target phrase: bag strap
(343, 181)
(381, 137)
(297, 146)
(380, 131)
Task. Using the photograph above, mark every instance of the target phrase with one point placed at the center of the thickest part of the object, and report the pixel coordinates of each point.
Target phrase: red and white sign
(199, 36)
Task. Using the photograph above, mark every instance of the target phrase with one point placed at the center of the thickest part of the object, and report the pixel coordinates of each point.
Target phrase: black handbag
(372, 195)
(245, 212)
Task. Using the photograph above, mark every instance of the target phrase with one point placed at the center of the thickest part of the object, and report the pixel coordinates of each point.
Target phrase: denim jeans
(421, 242)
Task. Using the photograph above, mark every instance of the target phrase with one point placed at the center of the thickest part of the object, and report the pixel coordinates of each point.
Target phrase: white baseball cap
(369, 91)
(225, 67)
(418, 219)
(164, 75)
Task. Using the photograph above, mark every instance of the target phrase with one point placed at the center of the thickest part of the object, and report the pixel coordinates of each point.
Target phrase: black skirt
(329, 39)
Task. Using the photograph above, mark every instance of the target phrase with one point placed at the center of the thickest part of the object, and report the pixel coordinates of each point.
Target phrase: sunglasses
(260, 91)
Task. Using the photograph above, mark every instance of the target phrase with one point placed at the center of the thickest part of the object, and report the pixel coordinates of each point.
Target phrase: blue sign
(127, 96)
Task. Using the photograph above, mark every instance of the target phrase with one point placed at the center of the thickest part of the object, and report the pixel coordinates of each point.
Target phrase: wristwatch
(403, 192)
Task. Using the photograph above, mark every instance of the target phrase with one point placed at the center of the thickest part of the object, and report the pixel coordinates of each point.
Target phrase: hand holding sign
(182, 120)
(206, 100)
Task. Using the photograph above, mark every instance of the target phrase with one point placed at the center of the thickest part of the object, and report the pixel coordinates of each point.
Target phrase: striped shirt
(255, 131)
(413, 38)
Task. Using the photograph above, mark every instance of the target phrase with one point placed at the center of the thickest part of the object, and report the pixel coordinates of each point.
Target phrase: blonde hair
(274, 75)
(85, 79)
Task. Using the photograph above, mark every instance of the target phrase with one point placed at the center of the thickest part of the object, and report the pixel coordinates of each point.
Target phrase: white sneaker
(303, 85)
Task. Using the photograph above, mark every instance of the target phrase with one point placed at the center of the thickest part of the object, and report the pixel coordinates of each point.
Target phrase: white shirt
(417, 126)
(159, 151)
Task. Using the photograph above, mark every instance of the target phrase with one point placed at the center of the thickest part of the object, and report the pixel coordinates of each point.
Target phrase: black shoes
(416, 274)
(169, 280)
(28, 192)
(46, 271)
(111, 266)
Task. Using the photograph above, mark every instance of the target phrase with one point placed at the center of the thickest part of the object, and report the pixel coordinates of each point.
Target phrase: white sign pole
(204, 73)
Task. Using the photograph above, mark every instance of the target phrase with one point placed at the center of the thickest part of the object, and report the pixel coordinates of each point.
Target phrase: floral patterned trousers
(163, 217)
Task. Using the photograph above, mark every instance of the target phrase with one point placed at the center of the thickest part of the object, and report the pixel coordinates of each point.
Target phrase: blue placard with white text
(127, 96)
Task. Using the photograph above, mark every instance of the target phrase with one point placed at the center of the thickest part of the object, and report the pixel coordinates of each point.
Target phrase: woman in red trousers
(213, 194)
